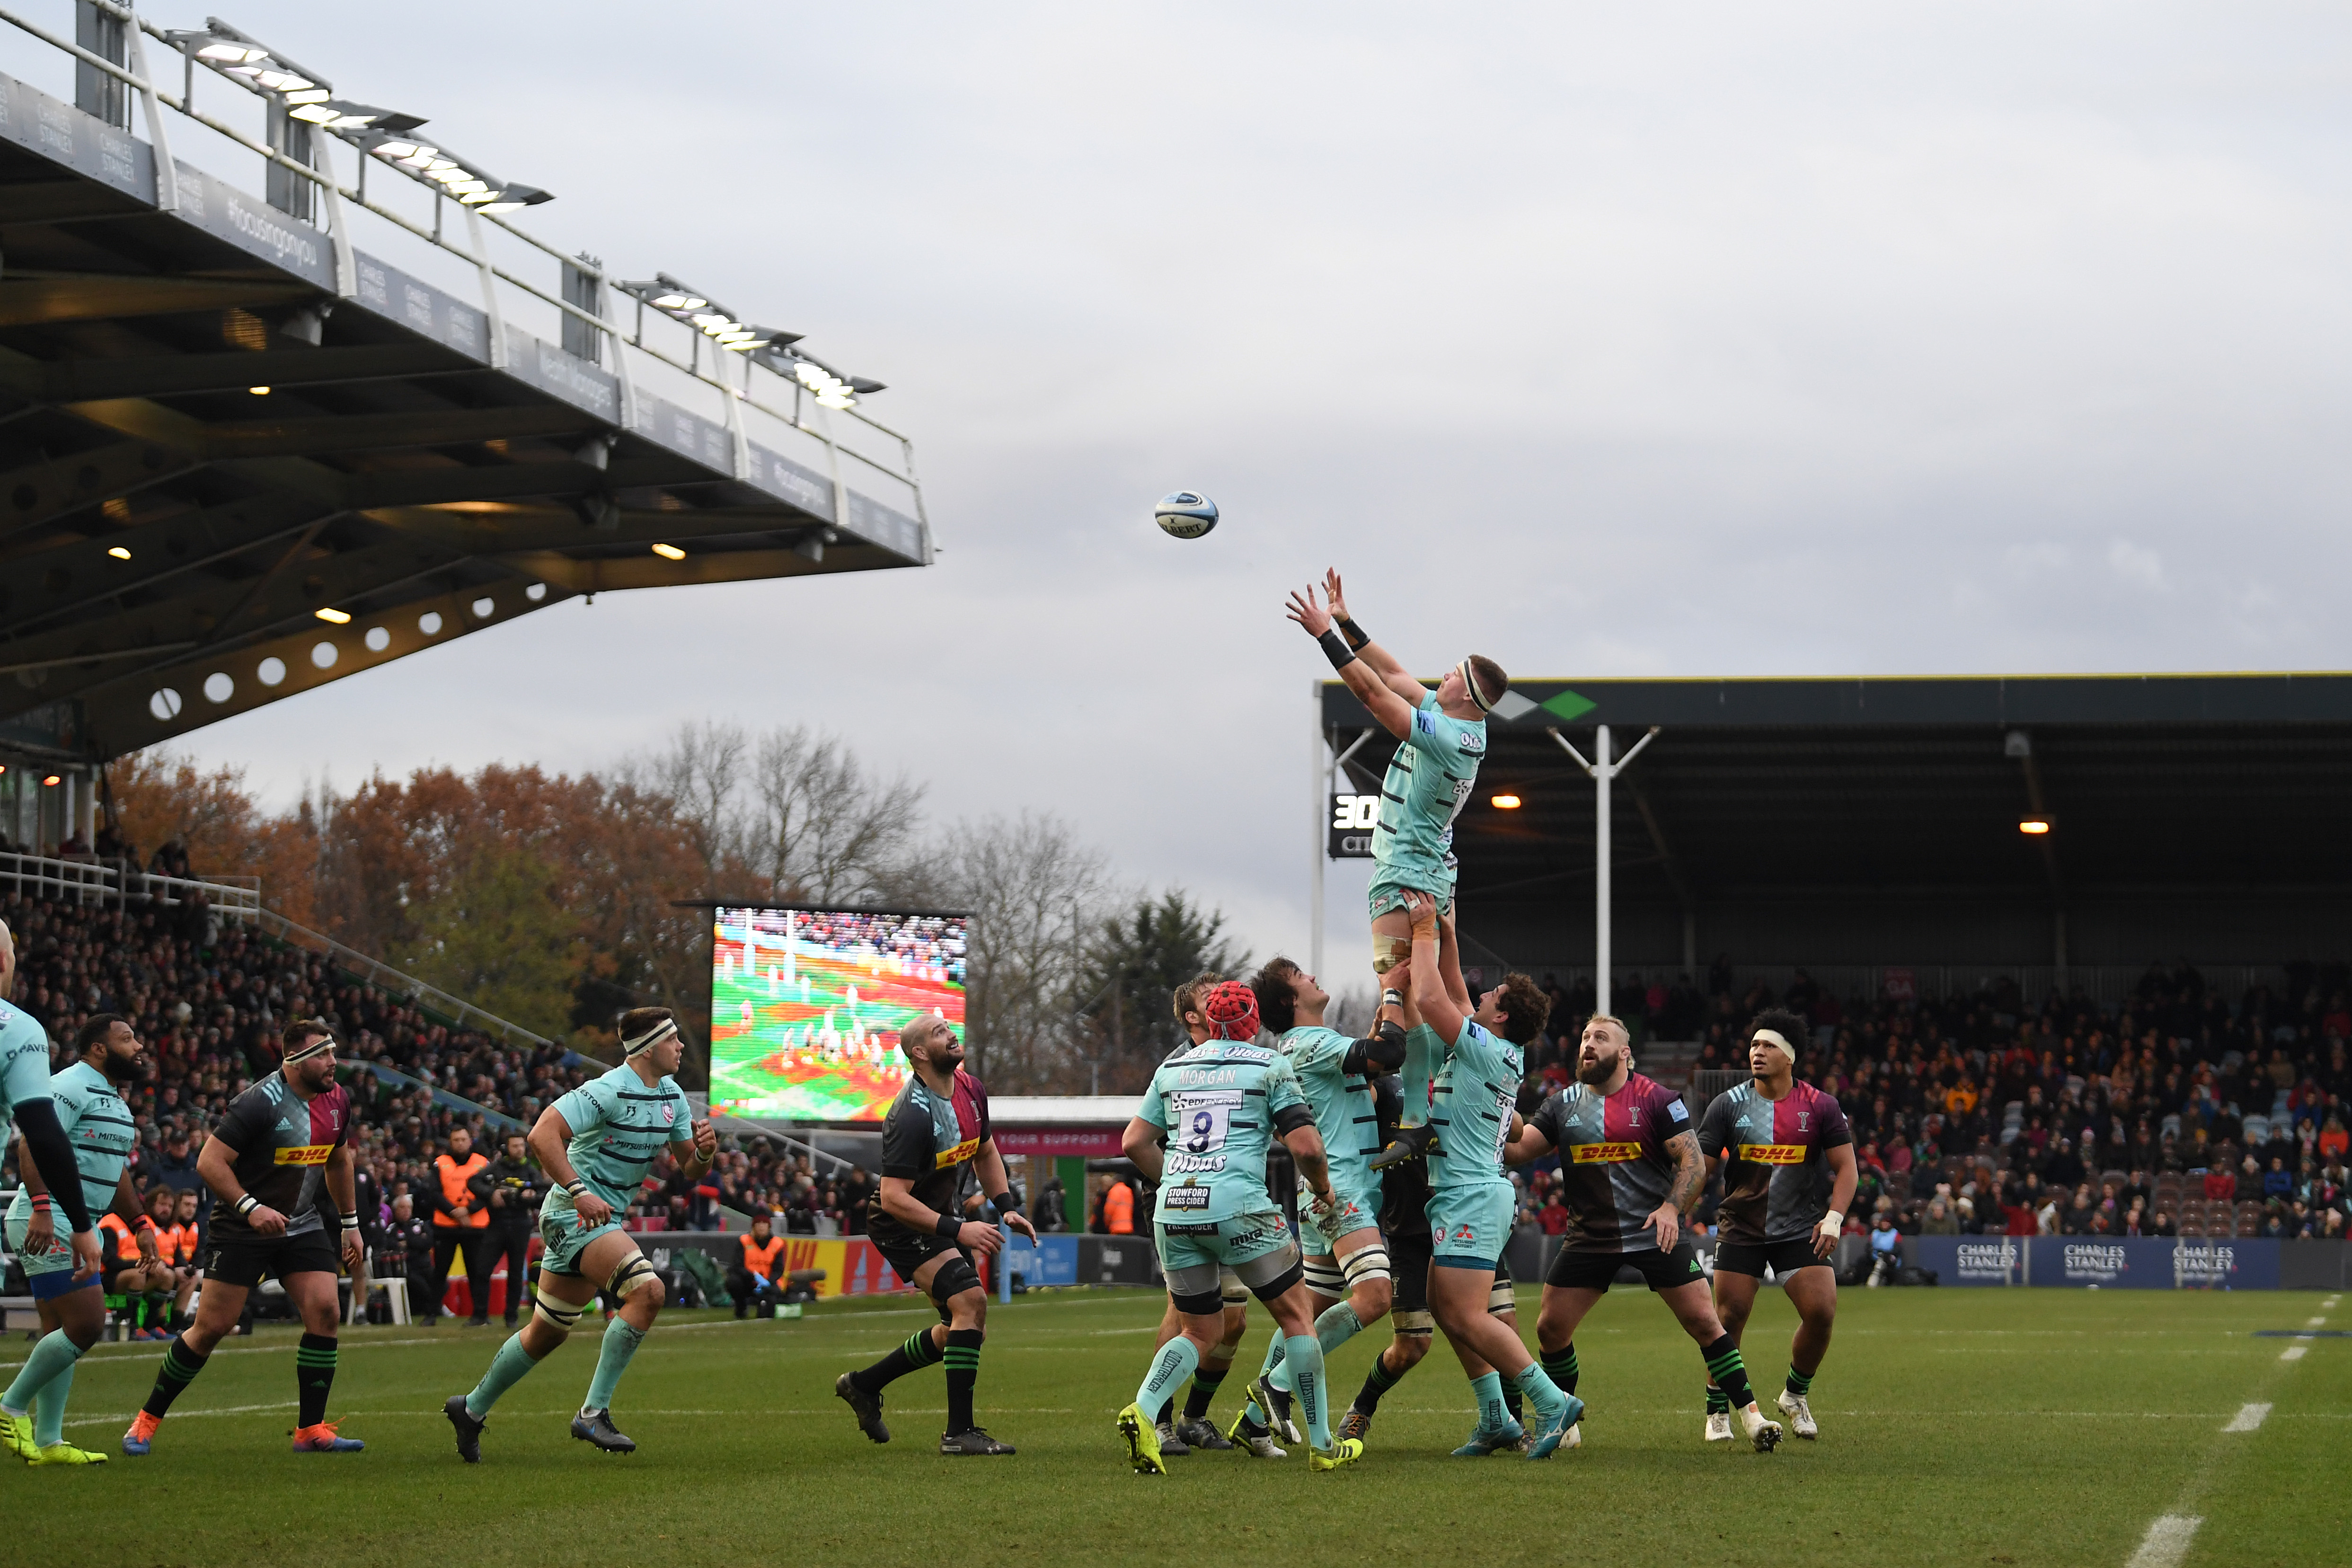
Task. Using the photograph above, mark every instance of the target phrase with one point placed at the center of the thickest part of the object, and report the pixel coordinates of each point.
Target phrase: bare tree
(701, 773)
(827, 832)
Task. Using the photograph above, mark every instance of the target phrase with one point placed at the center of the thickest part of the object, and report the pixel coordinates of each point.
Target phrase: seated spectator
(1554, 1217)
(2278, 1182)
(1939, 1218)
(1885, 1249)
(2220, 1184)
(2077, 1220)
(2334, 1142)
(2164, 1225)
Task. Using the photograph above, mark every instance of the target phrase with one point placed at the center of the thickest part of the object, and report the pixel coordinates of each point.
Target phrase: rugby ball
(1186, 514)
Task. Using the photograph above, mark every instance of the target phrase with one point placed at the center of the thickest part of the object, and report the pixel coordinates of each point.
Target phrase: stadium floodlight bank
(329, 423)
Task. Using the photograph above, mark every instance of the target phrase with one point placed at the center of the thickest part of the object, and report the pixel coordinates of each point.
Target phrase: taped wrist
(247, 1203)
(1336, 649)
(949, 1226)
(1356, 636)
(1007, 1202)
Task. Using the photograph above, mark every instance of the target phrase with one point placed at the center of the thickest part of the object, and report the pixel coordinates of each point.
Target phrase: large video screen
(806, 1006)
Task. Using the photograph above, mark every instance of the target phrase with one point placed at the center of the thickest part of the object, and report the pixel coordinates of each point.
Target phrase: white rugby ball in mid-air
(1186, 514)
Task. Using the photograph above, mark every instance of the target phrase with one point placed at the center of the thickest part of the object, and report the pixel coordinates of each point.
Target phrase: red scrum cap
(1232, 1011)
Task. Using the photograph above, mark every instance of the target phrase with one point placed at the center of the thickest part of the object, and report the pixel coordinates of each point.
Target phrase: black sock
(1718, 1404)
(180, 1367)
(1377, 1381)
(1729, 1372)
(964, 1372)
(314, 1377)
(1203, 1392)
(159, 1307)
(917, 1351)
(1513, 1401)
(1560, 1366)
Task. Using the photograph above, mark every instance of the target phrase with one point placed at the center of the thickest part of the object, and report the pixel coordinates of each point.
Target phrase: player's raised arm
(1439, 1010)
(1394, 712)
(1383, 664)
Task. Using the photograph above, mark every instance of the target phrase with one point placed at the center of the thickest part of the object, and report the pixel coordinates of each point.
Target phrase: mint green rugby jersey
(1222, 1104)
(1343, 1102)
(1428, 782)
(100, 1128)
(619, 1127)
(1470, 1104)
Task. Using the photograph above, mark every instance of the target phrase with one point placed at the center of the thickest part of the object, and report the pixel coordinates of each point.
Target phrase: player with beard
(1783, 1147)
(1629, 1169)
(89, 1105)
(24, 1097)
(936, 1126)
(279, 1147)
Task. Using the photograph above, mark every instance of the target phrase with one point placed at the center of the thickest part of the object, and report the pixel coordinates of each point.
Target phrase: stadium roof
(242, 457)
(1893, 797)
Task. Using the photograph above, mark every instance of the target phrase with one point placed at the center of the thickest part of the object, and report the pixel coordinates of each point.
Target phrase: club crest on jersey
(669, 1112)
(1805, 1121)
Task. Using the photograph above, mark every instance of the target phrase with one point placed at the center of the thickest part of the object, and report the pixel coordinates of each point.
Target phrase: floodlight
(832, 389)
(250, 63)
(335, 617)
(721, 325)
(669, 552)
(1506, 802)
(53, 779)
(336, 114)
(2034, 825)
(446, 172)
(118, 553)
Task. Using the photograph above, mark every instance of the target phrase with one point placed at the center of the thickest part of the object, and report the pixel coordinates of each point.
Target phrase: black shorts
(1409, 1255)
(907, 1252)
(1598, 1270)
(1751, 1257)
(243, 1260)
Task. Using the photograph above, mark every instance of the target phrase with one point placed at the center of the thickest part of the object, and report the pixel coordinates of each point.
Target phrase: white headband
(318, 1043)
(1470, 680)
(650, 1039)
(1773, 1037)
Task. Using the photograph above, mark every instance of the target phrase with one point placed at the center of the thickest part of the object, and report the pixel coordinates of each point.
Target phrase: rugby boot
(867, 1407)
(1251, 1439)
(1142, 1442)
(1197, 1434)
(972, 1440)
(1799, 1415)
(596, 1426)
(142, 1433)
(1172, 1447)
(321, 1440)
(1411, 1144)
(1355, 1424)
(1342, 1451)
(66, 1454)
(16, 1436)
(470, 1428)
(1765, 1434)
(1485, 1440)
(1553, 1433)
(1276, 1406)
(1718, 1425)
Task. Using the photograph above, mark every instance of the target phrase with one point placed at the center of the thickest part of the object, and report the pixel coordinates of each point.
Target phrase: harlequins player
(937, 1125)
(1786, 1158)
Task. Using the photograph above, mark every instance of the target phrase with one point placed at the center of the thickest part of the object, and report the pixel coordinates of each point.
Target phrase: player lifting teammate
(1429, 781)
(937, 1125)
(595, 1144)
(1348, 1274)
(278, 1148)
(90, 1107)
(1780, 1143)
(1217, 1109)
(1470, 1199)
(1630, 1170)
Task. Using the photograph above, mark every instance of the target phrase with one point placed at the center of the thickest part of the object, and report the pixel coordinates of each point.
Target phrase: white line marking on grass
(2329, 1305)
(2293, 1353)
(2248, 1419)
(2167, 1542)
(2316, 1323)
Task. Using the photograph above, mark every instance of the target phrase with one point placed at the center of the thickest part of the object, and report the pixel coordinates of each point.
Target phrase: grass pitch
(1958, 1426)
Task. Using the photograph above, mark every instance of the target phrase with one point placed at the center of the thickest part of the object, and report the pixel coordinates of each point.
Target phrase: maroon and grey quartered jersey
(1776, 1171)
(1614, 1169)
(282, 1142)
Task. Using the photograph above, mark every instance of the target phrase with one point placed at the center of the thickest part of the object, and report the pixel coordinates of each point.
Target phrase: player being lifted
(937, 1125)
(595, 1144)
(1444, 738)
(1630, 1170)
(1218, 1108)
(1180, 1436)
(1471, 1199)
(90, 1107)
(278, 1149)
(1348, 1274)
(1783, 1146)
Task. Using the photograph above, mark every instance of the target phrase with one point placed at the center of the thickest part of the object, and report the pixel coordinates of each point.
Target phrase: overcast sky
(1609, 341)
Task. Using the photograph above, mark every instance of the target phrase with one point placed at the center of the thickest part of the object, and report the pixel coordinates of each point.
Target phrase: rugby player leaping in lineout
(1444, 736)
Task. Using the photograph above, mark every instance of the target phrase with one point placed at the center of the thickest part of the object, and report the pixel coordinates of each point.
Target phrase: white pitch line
(2166, 1542)
(2316, 1323)
(2293, 1353)
(2248, 1419)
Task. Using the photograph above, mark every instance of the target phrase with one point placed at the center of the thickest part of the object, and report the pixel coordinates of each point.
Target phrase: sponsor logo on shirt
(1186, 1198)
(956, 1156)
(304, 1155)
(1604, 1154)
(1774, 1154)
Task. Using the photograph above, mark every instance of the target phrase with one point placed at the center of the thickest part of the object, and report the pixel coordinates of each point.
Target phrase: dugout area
(1874, 822)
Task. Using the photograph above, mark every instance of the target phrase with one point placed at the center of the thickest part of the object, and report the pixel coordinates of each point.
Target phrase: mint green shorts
(1194, 1254)
(560, 1229)
(1391, 884)
(1360, 1206)
(1468, 1226)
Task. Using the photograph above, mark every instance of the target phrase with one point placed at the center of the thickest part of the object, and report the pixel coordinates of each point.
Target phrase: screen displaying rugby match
(806, 1006)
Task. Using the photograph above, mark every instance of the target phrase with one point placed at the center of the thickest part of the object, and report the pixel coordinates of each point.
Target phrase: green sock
(1335, 1327)
(506, 1370)
(1174, 1363)
(1729, 1372)
(1377, 1381)
(620, 1342)
(1487, 1389)
(49, 1409)
(55, 1354)
(1560, 1366)
(1304, 1358)
(1801, 1384)
(1717, 1402)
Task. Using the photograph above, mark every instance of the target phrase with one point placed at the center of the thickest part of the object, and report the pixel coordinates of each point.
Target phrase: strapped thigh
(631, 1275)
(1388, 952)
(1324, 1277)
(558, 1313)
(1366, 1263)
